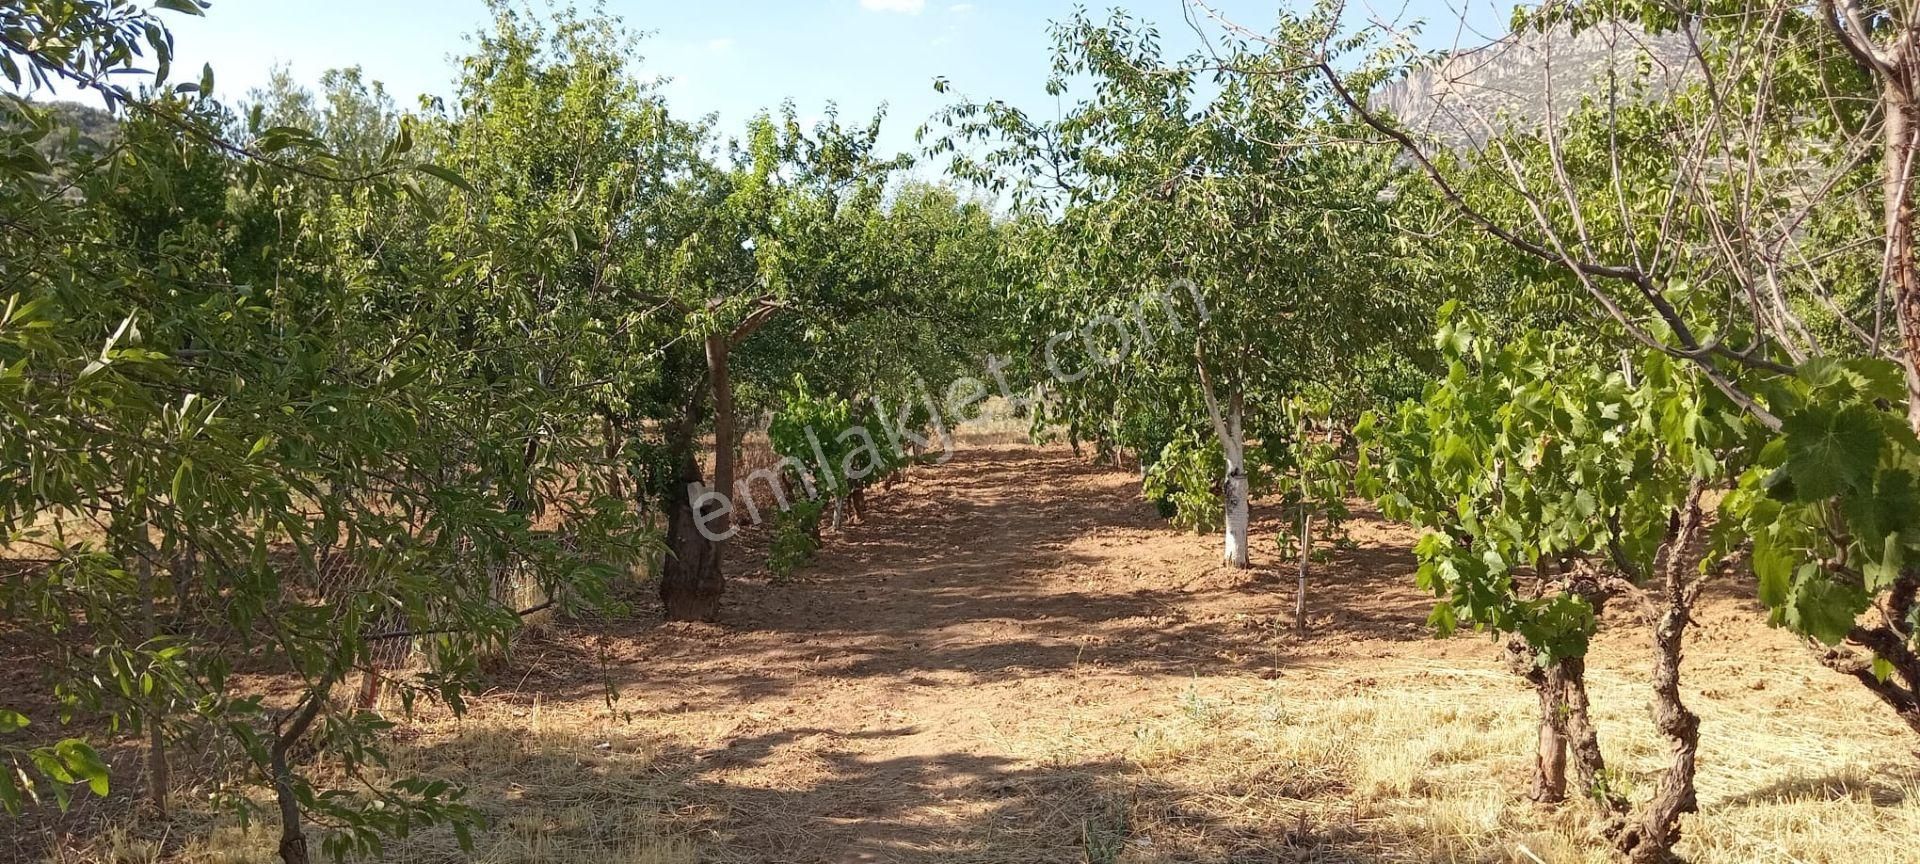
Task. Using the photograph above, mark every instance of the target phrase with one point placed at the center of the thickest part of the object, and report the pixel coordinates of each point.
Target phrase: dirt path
(895, 700)
(967, 677)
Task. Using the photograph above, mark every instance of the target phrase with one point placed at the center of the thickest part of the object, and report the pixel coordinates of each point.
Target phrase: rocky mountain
(1522, 80)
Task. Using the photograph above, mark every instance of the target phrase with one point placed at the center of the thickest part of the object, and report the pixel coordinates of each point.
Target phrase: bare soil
(875, 703)
(973, 664)
(1014, 659)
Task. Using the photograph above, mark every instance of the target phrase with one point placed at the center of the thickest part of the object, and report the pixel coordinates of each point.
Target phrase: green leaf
(1773, 454)
(1882, 572)
(1880, 379)
(1774, 565)
(184, 7)
(84, 763)
(1821, 373)
(176, 491)
(49, 764)
(12, 721)
(1823, 608)
(445, 174)
(1830, 451)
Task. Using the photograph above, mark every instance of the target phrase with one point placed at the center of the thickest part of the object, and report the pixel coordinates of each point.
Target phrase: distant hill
(90, 131)
(90, 122)
(81, 129)
(1519, 81)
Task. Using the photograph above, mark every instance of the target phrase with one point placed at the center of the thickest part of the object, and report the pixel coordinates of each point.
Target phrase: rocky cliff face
(1525, 80)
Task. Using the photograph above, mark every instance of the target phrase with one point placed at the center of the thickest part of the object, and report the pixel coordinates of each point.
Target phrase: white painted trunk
(1228, 427)
(1236, 553)
(1235, 446)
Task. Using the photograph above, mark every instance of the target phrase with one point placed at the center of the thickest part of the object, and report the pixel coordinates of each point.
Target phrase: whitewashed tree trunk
(1233, 444)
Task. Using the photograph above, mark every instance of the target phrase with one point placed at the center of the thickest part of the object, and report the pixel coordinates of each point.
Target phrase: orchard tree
(1764, 279)
(806, 259)
(1216, 247)
(1313, 476)
(564, 155)
(1554, 474)
(936, 301)
(1751, 228)
(773, 238)
(252, 421)
(633, 258)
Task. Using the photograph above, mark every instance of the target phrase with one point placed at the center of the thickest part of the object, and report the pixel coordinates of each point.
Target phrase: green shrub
(796, 536)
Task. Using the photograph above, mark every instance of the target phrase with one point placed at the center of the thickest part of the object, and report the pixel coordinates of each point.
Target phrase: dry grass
(951, 684)
(1423, 765)
(1415, 763)
(997, 424)
(1402, 769)
(570, 787)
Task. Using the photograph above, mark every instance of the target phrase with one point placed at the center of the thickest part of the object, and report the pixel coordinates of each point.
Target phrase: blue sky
(734, 58)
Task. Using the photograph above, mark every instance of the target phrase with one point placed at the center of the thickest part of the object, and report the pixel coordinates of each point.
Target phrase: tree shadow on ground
(998, 566)
(1881, 789)
(630, 798)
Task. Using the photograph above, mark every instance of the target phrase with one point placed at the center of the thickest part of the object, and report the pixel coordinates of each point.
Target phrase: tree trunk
(1234, 444)
(1888, 641)
(1657, 826)
(1583, 740)
(719, 351)
(691, 582)
(1898, 139)
(1900, 161)
(1566, 733)
(158, 779)
(1900, 699)
(293, 839)
(615, 444)
(1550, 754)
(367, 698)
(186, 568)
(1550, 749)
(1235, 553)
(1306, 555)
